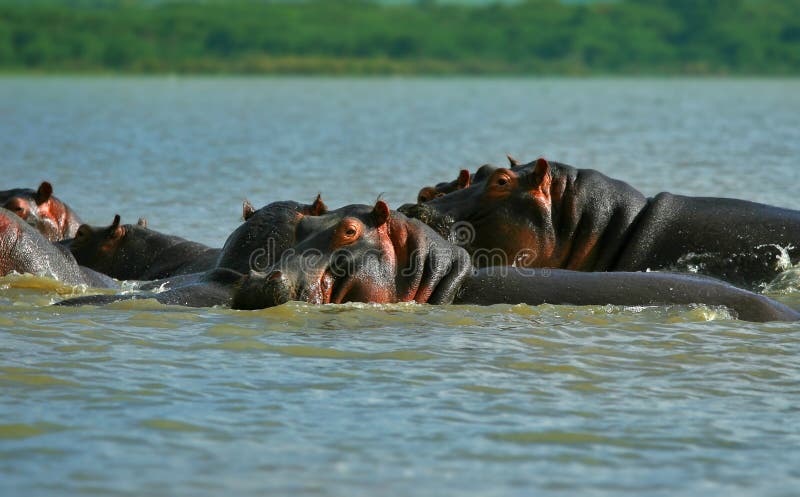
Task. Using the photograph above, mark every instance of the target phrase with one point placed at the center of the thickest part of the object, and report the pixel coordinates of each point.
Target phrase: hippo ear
(44, 192)
(540, 179)
(318, 208)
(512, 161)
(247, 210)
(425, 193)
(541, 168)
(381, 212)
(115, 229)
(142, 222)
(463, 179)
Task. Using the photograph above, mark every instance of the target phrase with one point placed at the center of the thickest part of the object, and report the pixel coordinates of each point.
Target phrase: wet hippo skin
(547, 214)
(23, 249)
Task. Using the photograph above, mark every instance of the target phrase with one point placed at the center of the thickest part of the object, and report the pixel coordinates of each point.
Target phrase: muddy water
(143, 399)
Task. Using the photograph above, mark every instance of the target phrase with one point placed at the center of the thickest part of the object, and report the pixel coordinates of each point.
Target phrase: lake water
(140, 399)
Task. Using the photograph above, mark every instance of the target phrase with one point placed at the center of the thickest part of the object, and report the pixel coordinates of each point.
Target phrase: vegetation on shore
(362, 37)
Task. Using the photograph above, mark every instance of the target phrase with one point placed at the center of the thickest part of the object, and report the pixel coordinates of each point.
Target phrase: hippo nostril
(259, 290)
(411, 210)
(417, 211)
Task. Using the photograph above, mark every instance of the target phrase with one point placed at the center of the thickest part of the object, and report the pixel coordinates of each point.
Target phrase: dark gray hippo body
(745, 243)
(41, 209)
(134, 252)
(207, 289)
(24, 250)
(559, 286)
(547, 214)
(370, 254)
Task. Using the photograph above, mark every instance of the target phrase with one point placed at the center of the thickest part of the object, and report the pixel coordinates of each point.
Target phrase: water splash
(783, 260)
(785, 283)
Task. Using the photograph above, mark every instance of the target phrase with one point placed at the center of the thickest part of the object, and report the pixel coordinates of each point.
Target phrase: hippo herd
(541, 232)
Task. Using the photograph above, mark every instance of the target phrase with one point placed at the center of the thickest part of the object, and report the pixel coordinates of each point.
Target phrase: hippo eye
(502, 180)
(346, 233)
(20, 211)
(83, 232)
(500, 183)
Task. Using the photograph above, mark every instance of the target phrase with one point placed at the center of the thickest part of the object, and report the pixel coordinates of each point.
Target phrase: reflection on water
(138, 398)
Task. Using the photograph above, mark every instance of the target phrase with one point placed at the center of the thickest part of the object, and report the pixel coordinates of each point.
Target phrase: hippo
(42, 210)
(256, 244)
(548, 214)
(370, 254)
(23, 249)
(135, 252)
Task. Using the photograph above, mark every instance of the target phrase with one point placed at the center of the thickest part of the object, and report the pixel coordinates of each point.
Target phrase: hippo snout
(262, 290)
(407, 208)
(418, 211)
(440, 222)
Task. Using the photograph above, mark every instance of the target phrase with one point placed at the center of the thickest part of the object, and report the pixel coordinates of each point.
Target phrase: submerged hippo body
(24, 250)
(370, 254)
(42, 210)
(207, 289)
(552, 215)
(134, 252)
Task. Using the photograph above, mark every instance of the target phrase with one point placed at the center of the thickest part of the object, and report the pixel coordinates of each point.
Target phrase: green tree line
(359, 36)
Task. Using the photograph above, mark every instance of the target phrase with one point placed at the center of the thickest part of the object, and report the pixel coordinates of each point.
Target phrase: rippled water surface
(143, 399)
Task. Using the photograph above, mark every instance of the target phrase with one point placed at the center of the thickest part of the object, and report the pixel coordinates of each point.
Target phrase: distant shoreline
(373, 68)
(363, 38)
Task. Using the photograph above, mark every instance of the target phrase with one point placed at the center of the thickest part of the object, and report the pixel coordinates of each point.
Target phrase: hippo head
(504, 218)
(431, 192)
(464, 180)
(45, 212)
(359, 254)
(98, 247)
(265, 234)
